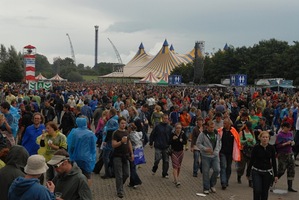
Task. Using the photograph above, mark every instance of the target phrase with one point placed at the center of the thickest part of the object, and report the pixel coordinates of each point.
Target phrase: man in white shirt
(123, 111)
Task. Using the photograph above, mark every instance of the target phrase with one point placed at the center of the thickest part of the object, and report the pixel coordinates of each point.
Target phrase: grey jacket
(203, 143)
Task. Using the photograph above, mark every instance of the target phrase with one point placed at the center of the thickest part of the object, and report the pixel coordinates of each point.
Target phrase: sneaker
(194, 175)
(178, 184)
(167, 177)
(131, 186)
(206, 192)
(223, 187)
(105, 177)
(213, 190)
(120, 195)
(153, 173)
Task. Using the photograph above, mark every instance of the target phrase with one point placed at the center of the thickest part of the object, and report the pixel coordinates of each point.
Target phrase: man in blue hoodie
(28, 187)
(82, 147)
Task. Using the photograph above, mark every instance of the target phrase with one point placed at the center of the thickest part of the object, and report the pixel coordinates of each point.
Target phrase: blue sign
(238, 80)
(174, 79)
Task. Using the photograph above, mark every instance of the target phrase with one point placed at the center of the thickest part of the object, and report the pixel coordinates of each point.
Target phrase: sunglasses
(58, 164)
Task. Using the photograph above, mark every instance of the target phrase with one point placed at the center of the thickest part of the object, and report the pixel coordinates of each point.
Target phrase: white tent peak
(149, 78)
(57, 78)
(40, 77)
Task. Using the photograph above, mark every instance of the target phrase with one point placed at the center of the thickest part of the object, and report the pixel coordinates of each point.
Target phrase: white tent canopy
(57, 78)
(149, 78)
(40, 77)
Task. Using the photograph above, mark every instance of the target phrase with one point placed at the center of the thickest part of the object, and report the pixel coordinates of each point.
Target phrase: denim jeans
(196, 155)
(134, 178)
(161, 154)
(242, 164)
(58, 115)
(225, 168)
(121, 170)
(261, 183)
(107, 152)
(207, 164)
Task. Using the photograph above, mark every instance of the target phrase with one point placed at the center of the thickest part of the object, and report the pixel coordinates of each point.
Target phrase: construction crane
(120, 66)
(72, 49)
(116, 52)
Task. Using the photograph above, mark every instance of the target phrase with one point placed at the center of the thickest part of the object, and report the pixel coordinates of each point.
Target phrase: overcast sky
(44, 24)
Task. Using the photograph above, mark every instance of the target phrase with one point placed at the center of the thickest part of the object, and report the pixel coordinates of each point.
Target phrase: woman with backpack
(247, 141)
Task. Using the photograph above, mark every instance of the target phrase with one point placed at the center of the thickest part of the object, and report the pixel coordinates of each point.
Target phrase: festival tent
(163, 62)
(57, 78)
(150, 78)
(140, 59)
(40, 77)
(165, 77)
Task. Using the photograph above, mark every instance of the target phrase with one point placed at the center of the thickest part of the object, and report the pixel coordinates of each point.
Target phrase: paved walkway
(155, 187)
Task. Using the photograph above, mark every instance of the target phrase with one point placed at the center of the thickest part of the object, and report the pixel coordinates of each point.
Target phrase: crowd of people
(220, 126)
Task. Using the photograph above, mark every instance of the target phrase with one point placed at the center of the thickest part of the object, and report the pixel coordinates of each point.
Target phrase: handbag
(169, 150)
(247, 149)
(139, 156)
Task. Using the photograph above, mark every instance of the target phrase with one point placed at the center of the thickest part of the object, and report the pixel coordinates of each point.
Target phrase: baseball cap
(57, 159)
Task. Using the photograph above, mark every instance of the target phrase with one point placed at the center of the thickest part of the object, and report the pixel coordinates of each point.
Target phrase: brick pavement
(156, 187)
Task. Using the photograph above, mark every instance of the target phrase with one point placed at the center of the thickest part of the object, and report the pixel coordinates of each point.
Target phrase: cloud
(128, 27)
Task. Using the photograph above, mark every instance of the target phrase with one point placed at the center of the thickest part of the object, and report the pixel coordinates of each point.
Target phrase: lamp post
(96, 45)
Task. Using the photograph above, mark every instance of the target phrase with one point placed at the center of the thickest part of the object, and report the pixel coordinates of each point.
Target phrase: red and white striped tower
(29, 52)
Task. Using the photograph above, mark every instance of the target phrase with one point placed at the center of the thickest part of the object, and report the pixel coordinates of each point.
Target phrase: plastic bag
(139, 156)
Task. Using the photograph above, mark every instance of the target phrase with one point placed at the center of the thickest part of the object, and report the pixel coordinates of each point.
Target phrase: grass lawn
(90, 78)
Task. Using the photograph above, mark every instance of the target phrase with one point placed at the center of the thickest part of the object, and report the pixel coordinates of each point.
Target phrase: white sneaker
(213, 190)
(206, 192)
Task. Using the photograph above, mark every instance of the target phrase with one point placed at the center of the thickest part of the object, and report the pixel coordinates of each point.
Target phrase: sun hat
(36, 164)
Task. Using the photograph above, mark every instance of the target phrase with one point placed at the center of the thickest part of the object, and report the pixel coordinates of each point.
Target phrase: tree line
(12, 67)
(267, 59)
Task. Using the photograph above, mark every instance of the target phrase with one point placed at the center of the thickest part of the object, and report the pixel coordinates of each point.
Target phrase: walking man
(209, 143)
(159, 138)
(229, 152)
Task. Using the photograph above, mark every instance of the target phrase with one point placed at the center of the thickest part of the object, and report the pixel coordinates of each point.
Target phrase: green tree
(3, 54)
(42, 64)
(74, 77)
(11, 71)
(186, 71)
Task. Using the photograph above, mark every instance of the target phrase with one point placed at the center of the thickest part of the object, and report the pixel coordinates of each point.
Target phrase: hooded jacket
(72, 185)
(160, 136)
(28, 188)
(15, 163)
(82, 146)
(203, 142)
